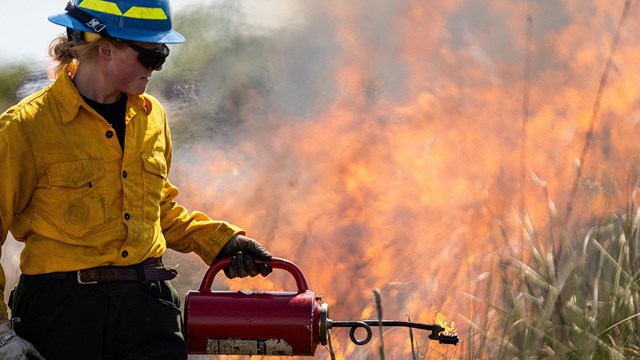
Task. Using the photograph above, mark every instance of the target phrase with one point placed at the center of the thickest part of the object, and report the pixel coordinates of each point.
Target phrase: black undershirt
(114, 114)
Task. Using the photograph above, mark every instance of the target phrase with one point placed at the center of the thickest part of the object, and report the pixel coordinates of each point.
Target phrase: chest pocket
(76, 196)
(153, 178)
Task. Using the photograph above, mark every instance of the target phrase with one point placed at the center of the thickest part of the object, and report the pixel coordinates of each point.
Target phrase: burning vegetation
(471, 158)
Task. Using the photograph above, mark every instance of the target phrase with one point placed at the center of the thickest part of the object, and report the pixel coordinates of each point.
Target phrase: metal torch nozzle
(437, 332)
(450, 339)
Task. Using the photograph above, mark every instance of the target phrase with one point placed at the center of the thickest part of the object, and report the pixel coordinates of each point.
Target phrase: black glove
(244, 249)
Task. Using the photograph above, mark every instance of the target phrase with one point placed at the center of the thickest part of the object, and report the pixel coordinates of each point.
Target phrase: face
(126, 72)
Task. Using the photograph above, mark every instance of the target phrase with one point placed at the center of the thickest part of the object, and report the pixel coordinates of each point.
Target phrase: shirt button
(127, 216)
(125, 254)
(124, 174)
(109, 134)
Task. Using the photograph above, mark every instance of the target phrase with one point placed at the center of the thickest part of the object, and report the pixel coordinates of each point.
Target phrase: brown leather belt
(148, 270)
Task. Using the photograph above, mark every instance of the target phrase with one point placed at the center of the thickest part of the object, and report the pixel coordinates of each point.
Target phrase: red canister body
(252, 323)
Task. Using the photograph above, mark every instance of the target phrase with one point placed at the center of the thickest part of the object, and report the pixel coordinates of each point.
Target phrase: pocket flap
(155, 163)
(75, 173)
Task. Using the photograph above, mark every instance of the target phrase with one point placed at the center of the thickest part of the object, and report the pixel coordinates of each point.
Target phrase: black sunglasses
(150, 59)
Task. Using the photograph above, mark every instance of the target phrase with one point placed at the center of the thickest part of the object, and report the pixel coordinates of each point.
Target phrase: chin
(137, 91)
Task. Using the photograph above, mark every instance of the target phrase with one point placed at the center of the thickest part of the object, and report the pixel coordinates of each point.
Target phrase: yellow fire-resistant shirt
(77, 201)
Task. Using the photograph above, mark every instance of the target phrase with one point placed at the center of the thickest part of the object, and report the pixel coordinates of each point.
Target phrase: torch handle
(276, 263)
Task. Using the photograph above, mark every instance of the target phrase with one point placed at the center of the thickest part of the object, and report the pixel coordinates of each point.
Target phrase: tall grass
(565, 295)
(575, 300)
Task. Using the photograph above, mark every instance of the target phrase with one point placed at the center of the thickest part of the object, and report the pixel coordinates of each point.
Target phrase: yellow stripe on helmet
(102, 6)
(148, 13)
(135, 12)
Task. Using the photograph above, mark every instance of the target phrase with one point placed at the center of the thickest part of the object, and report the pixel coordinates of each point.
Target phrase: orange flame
(405, 173)
(448, 329)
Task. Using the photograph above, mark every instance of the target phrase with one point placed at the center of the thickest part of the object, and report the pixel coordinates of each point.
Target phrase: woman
(86, 189)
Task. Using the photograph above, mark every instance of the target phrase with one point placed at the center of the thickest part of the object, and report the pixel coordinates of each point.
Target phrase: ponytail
(67, 53)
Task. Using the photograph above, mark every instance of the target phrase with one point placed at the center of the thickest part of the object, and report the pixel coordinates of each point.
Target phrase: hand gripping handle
(276, 263)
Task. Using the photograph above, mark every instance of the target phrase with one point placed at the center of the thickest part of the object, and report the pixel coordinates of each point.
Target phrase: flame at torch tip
(448, 329)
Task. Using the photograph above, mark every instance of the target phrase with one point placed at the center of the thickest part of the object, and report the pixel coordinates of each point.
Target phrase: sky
(27, 32)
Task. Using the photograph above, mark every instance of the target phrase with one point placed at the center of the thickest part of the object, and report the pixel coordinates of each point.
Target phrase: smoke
(10, 264)
(381, 141)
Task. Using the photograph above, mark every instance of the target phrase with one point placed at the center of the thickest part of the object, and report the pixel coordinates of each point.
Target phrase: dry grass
(576, 300)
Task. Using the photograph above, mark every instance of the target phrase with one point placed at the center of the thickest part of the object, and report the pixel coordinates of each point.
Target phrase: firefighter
(85, 185)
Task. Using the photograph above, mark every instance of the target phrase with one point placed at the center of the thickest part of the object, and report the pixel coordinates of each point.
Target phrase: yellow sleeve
(193, 231)
(17, 182)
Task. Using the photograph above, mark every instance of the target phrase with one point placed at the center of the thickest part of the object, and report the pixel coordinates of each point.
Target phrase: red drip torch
(270, 323)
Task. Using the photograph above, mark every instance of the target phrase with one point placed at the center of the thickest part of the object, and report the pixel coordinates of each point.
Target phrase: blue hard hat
(136, 20)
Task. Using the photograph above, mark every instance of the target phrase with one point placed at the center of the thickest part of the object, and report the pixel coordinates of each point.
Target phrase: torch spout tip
(449, 339)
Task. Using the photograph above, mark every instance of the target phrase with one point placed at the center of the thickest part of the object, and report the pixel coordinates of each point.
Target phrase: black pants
(117, 320)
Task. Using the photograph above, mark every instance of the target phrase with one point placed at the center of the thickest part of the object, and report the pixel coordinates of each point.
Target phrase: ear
(105, 49)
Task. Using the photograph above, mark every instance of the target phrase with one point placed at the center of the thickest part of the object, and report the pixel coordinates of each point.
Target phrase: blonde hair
(66, 54)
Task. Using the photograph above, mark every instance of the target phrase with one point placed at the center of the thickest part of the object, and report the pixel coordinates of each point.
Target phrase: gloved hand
(12, 347)
(244, 249)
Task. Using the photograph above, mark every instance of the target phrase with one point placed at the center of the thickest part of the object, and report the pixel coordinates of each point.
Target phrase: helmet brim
(167, 37)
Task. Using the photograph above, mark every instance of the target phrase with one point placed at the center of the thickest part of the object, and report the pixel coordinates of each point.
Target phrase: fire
(449, 329)
(399, 164)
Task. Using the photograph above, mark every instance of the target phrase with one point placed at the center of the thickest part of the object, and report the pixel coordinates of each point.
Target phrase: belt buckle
(79, 278)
